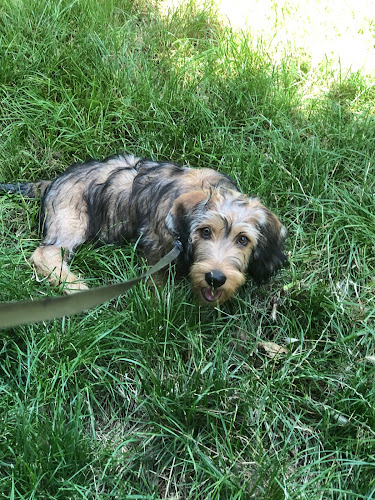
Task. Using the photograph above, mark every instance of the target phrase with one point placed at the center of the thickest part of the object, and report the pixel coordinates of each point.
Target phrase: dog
(226, 235)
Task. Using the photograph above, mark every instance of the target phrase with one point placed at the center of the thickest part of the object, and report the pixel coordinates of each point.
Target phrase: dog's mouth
(211, 294)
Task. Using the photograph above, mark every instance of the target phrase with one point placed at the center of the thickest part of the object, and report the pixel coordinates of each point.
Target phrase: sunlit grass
(340, 31)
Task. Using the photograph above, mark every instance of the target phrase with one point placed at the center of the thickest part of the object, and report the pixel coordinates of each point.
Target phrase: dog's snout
(215, 278)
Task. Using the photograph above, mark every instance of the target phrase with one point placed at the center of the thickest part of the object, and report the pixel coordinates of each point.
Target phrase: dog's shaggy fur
(225, 234)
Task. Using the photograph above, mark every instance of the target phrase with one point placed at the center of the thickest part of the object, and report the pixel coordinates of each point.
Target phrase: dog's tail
(28, 189)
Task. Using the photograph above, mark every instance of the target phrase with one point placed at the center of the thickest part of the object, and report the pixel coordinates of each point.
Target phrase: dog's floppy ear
(268, 256)
(178, 220)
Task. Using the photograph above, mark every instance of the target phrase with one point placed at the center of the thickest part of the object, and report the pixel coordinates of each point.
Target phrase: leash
(33, 311)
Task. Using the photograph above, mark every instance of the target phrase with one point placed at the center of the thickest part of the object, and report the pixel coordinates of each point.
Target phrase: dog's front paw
(77, 286)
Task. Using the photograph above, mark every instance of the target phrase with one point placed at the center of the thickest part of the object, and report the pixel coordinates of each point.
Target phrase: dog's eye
(242, 240)
(206, 233)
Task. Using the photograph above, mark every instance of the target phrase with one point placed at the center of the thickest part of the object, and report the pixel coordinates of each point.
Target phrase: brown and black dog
(225, 234)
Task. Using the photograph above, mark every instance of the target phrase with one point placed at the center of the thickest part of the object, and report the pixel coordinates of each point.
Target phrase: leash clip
(178, 244)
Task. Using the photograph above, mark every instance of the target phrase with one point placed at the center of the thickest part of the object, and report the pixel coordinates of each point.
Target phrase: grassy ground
(145, 401)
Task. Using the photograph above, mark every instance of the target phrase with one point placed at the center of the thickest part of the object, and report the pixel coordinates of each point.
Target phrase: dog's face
(227, 235)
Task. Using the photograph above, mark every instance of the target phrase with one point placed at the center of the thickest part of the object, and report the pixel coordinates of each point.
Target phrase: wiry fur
(225, 234)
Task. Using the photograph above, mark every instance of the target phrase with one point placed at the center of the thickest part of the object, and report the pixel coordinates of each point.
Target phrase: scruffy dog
(225, 234)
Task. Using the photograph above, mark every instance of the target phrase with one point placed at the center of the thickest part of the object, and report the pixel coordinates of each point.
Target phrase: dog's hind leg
(51, 261)
(64, 222)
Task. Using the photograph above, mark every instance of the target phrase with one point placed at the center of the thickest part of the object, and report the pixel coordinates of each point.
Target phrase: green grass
(145, 399)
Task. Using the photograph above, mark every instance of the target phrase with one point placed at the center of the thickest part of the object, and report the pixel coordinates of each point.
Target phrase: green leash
(33, 311)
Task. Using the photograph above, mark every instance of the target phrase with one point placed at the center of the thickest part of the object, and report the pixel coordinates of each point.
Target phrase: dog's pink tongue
(211, 294)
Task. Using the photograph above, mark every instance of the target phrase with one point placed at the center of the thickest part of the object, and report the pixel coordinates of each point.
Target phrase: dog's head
(226, 235)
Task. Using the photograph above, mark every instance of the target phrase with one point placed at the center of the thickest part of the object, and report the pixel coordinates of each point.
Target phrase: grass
(144, 400)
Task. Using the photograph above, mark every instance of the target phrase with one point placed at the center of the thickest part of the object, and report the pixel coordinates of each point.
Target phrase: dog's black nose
(215, 278)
